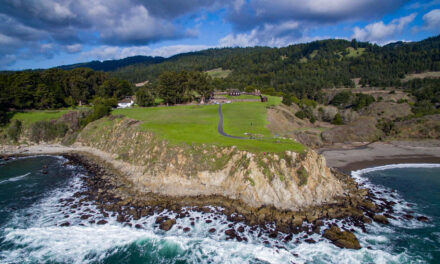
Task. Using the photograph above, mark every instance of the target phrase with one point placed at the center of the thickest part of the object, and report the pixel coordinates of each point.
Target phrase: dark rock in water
(240, 229)
(102, 222)
(389, 216)
(65, 224)
(366, 219)
(381, 219)
(212, 230)
(186, 229)
(310, 241)
(44, 172)
(160, 219)
(342, 239)
(92, 221)
(120, 218)
(192, 223)
(422, 218)
(231, 233)
(208, 221)
(273, 234)
(167, 224)
(138, 226)
(86, 216)
(317, 229)
(288, 238)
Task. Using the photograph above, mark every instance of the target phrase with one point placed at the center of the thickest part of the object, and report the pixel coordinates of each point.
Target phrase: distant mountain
(111, 65)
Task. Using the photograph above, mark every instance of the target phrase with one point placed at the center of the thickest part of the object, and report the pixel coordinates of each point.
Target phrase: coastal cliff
(289, 180)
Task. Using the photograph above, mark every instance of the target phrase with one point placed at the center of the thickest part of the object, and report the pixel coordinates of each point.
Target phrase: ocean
(37, 227)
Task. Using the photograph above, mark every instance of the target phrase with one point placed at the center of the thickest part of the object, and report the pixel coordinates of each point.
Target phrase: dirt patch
(388, 110)
(362, 130)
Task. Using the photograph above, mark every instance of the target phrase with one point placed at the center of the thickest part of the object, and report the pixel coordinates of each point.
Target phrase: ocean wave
(14, 179)
(357, 173)
(40, 238)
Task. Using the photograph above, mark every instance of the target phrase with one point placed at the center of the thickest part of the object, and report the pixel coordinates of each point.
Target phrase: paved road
(220, 125)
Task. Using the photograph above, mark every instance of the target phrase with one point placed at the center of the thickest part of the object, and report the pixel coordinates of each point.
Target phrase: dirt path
(220, 125)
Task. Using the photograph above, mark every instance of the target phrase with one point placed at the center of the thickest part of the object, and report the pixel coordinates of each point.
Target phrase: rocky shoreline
(114, 195)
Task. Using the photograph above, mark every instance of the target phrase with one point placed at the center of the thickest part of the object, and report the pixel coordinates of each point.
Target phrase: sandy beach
(348, 158)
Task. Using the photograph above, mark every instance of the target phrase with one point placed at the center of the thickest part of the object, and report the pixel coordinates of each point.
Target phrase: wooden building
(234, 93)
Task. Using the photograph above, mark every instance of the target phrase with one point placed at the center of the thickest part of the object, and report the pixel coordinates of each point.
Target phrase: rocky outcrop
(286, 180)
(342, 239)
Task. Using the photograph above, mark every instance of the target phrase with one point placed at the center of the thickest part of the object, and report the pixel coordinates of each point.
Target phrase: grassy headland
(197, 124)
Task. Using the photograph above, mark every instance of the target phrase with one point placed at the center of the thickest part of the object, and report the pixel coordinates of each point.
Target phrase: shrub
(287, 100)
(337, 120)
(300, 114)
(387, 126)
(47, 131)
(308, 102)
(295, 99)
(362, 100)
(341, 99)
(101, 107)
(14, 130)
(250, 89)
(302, 176)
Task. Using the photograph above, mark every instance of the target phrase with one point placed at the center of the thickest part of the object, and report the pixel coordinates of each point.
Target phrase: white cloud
(74, 48)
(268, 35)
(432, 20)
(381, 33)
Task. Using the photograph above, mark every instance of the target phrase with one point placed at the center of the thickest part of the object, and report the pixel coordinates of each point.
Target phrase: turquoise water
(420, 187)
(33, 209)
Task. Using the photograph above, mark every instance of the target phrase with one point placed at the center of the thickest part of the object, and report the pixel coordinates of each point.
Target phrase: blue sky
(47, 33)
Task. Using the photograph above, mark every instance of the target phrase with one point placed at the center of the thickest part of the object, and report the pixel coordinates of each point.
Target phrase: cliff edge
(286, 181)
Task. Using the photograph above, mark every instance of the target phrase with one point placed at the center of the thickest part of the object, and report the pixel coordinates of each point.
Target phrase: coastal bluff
(286, 181)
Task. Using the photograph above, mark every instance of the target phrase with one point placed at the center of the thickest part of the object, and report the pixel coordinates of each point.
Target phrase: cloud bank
(106, 29)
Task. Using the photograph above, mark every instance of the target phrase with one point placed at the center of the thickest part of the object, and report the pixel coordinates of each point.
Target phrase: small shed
(263, 98)
(126, 102)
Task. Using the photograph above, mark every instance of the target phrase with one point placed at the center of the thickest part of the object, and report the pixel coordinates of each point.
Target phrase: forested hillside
(57, 88)
(302, 69)
(111, 65)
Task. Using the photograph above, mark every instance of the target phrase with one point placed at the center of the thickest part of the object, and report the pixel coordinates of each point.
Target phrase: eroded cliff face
(287, 181)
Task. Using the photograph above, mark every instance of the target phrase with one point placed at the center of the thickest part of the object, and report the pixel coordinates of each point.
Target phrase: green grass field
(355, 52)
(218, 73)
(194, 124)
(38, 115)
(243, 96)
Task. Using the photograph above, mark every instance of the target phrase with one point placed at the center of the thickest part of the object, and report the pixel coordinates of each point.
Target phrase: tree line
(56, 88)
(175, 88)
(302, 69)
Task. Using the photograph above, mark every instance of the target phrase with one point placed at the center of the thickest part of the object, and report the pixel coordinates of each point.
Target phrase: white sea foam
(43, 240)
(357, 173)
(14, 179)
